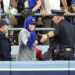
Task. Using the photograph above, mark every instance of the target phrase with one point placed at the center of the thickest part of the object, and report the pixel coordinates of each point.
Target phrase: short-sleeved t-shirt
(64, 35)
(31, 4)
(51, 4)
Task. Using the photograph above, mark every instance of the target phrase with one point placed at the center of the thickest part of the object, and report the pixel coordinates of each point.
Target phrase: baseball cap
(3, 22)
(57, 12)
(33, 21)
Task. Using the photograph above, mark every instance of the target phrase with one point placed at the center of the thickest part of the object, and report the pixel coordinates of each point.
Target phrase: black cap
(58, 12)
(3, 22)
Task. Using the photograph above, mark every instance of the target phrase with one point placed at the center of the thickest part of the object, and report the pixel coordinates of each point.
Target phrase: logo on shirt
(33, 19)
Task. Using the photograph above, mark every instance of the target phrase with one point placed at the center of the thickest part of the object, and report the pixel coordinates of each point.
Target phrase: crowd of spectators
(14, 7)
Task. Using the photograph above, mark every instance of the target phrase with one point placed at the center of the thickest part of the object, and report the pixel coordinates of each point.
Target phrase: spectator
(5, 48)
(72, 8)
(46, 7)
(52, 5)
(1, 10)
(6, 5)
(27, 40)
(14, 3)
(34, 5)
(20, 5)
(72, 19)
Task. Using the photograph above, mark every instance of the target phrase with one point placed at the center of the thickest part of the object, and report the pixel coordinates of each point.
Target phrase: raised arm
(38, 4)
(43, 11)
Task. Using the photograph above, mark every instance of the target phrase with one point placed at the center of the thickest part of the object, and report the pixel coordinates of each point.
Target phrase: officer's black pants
(66, 55)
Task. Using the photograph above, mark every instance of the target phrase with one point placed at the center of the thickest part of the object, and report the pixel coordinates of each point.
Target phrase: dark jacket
(5, 48)
(64, 35)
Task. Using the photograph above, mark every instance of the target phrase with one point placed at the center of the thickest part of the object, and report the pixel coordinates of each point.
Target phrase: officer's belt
(67, 49)
(63, 49)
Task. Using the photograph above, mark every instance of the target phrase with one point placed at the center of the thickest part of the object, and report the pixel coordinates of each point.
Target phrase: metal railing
(37, 29)
(37, 14)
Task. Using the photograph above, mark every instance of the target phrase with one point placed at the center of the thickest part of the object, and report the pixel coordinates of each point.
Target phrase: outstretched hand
(44, 38)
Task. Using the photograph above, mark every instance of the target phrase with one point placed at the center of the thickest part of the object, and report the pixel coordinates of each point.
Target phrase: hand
(43, 11)
(66, 11)
(44, 38)
(36, 42)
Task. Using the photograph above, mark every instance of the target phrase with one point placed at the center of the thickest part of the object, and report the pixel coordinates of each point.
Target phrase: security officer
(5, 47)
(62, 42)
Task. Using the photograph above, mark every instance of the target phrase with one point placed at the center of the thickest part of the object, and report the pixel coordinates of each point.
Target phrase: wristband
(47, 35)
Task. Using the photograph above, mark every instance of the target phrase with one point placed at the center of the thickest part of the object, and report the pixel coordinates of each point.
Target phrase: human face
(31, 27)
(73, 8)
(55, 19)
(5, 29)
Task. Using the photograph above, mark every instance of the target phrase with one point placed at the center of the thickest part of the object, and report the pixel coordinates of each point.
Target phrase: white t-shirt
(6, 4)
(26, 4)
(51, 4)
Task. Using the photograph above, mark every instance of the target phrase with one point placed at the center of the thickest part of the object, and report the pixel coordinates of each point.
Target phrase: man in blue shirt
(34, 5)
